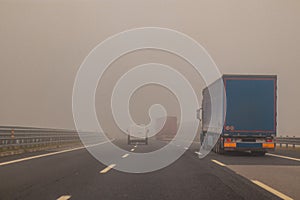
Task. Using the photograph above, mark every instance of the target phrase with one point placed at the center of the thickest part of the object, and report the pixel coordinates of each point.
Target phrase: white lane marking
(135, 146)
(273, 191)
(107, 168)
(49, 154)
(198, 153)
(219, 163)
(285, 157)
(64, 197)
(125, 156)
(132, 150)
(186, 148)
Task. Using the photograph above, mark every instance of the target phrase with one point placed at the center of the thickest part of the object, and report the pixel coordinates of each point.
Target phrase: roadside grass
(14, 150)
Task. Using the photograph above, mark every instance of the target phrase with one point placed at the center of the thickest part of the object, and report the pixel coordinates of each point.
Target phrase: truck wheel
(217, 148)
(214, 149)
(221, 151)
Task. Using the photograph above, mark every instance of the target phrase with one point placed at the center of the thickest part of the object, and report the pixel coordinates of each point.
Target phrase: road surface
(75, 174)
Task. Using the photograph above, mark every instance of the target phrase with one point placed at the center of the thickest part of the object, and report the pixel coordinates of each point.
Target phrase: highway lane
(292, 152)
(76, 175)
(282, 174)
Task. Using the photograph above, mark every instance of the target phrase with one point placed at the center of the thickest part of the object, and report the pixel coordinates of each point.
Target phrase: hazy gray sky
(44, 42)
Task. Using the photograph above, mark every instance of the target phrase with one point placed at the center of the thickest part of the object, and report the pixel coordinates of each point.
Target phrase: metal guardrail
(288, 141)
(30, 137)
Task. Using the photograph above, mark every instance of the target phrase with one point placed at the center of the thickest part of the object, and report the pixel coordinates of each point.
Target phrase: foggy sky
(43, 43)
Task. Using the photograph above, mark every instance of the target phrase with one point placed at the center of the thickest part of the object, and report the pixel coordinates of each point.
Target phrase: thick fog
(43, 44)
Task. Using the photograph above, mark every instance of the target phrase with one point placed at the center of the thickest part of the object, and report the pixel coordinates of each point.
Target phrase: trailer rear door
(251, 104)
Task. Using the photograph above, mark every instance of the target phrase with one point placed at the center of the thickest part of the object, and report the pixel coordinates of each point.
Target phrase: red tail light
(269, 140)
(228, 140)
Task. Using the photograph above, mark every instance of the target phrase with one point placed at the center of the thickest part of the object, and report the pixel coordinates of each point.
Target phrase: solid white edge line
(273, 191)
(105, 170)
(49, 154)
(218, 162)
(285, 157)
(64, 197)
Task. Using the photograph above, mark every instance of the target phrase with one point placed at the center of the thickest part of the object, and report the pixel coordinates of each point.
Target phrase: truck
(138, 134)
(249, 113)
(169, 130)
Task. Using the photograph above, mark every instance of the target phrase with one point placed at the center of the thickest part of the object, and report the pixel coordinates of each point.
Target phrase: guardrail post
(279, 141)
(294, 142)
(280, 144)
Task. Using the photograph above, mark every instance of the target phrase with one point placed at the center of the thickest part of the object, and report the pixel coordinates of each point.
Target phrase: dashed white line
(132, 150)
(219, 163)
(125, 156)
(198, 153)
(135, 146)
(186, 148)
(107, 168)
(285, 157)
(273, 191)
(48, 154)
(64, 197)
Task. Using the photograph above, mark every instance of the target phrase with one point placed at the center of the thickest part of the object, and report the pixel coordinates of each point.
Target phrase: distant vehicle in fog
(169, 130)
(138, 134)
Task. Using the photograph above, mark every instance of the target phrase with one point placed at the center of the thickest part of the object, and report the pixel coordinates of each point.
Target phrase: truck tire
(214, 148)
(221, 151)
(217, 148)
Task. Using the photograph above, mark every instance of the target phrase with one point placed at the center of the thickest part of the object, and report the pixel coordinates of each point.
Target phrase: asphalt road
(76, 175)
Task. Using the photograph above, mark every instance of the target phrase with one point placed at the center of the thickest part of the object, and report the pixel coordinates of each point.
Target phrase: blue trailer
(249, 114)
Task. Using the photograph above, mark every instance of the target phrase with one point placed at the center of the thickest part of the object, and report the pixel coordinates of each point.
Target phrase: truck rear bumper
(244, 146)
